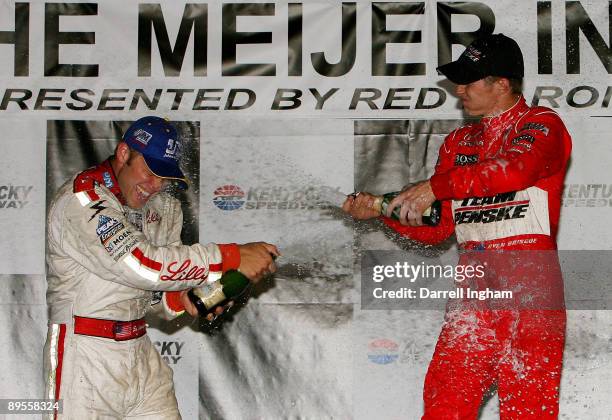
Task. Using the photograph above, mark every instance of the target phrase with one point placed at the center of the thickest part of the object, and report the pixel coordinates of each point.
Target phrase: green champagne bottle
(431, 216)
(210, 296)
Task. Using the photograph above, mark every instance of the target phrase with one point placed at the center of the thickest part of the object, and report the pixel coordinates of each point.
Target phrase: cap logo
(142, 136)
(172, 149)
(473, 54)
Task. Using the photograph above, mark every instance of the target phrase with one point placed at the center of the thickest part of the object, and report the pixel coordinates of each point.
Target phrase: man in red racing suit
(500, 181)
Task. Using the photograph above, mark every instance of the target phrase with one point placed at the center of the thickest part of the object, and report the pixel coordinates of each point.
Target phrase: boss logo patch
(463, 160)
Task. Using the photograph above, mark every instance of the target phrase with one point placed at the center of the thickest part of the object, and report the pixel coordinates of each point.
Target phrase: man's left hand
(414, 200)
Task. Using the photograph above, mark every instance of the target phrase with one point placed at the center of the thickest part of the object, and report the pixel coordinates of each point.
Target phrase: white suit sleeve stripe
(140, 269)
(83, 198)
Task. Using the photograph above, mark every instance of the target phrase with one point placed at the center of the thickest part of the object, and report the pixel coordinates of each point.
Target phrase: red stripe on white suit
(60, 362)
(144, 260)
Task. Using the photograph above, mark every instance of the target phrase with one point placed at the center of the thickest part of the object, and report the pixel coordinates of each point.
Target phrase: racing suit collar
(500, 119)
(104, 174)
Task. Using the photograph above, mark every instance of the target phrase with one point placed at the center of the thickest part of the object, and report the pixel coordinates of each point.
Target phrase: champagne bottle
(210, 296)
(431, 216)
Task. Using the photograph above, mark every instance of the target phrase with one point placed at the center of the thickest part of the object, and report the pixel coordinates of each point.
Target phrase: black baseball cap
(490, 55)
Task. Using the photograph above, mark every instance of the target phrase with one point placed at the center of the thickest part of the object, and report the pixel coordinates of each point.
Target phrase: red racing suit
(500, 181)
(107, 266)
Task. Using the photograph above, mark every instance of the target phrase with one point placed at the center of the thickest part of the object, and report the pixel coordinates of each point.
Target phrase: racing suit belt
(106, 328)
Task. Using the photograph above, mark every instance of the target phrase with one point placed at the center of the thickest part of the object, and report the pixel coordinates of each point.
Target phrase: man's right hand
(360, 206)
(256, 260)
(413, 201)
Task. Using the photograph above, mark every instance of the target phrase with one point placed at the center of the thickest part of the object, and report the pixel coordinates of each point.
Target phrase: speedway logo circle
(229, 197)
(383, 351)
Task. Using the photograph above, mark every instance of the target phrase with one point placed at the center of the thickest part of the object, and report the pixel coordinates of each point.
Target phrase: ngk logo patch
(108, 180)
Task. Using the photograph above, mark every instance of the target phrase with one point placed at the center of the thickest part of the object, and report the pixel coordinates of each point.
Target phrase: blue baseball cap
(159, 143)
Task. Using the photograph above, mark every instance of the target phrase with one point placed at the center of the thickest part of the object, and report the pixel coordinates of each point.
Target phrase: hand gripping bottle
(431, 216)
(208, 297)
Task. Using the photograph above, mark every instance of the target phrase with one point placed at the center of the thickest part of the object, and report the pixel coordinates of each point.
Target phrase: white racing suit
(105, 261)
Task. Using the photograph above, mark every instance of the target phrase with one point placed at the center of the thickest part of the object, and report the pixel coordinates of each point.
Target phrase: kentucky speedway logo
(279, 197)
(170, 351)
(228, 197)
(587, 195)
(14, 196)
(383, 351)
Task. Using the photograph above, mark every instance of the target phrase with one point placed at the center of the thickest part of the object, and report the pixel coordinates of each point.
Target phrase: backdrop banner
(284, 107)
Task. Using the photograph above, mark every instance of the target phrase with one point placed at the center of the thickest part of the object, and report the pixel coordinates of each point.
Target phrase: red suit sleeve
(432, 235)
(173, 302)
(536, 150)
(230, 256)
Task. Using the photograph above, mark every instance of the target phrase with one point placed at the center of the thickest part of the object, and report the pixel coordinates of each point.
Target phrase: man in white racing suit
(113, 244)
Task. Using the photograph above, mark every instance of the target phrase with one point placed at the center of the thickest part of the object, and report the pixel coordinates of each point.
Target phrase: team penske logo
(491, 209)
(107, 227)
